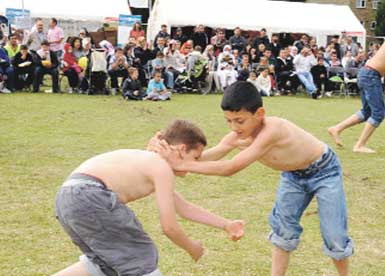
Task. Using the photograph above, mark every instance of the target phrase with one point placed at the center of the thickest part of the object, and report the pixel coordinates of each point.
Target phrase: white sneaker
(328, 94)
(6, 91)
(113, 91)
(70, 90)
(48, 91)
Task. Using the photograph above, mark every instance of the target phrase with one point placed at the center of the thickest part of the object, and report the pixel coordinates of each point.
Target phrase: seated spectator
(334, 62)
(253, 78)
(287, 80)
(349, 45)
(293, 52)
(237, 42)
(6, 72)
(263, 64)
(320, 76)
(162, 33)
(226, 70)
(346, 59)
(196, 67)
(179, 36)
(156, 90)
(303, 63)
(37, 37)
(71, 69)
(219, 41)
(159, 64)
(137, 31)
(261, 39)
(129, 54)
(271, 59)
(84, 33)
(132, 88)
(304, 41)
(260, 50)
(237, 58)
(275, 46)
(77, 48)
(118, 67)
(160, 45)
(174, 60)
(24, 68)
(244, 68)
(46, 63)
(199, 37)
(212, 76)
(187, 48)
(12, 46)
(263, 83)
(253, 56)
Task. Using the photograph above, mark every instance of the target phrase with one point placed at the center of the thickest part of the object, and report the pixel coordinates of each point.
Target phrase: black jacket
(238, 43)
(18, 60)
(200, 39)
(261, 40)
(54, 61)
(130, 86)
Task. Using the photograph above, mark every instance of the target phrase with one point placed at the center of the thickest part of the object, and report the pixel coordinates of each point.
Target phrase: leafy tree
(380, 19)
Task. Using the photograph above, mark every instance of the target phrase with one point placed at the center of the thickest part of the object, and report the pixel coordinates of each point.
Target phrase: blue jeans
(10, 73)
(307, 80)
(322, 179)
(372, 97)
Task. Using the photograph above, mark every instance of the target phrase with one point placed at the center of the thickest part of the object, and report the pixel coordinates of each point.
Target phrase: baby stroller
(97, 73)
(192, 80)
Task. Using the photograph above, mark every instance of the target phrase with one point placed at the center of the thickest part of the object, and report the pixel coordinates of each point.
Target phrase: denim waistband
(370, 70)
(317, 165)
(88, 179)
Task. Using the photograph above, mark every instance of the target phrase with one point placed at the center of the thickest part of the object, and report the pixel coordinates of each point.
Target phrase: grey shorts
(106, 230)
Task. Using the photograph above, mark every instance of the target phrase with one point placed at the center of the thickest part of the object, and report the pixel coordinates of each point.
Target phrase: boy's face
(157, 77)
(245, 123)
(180, 151)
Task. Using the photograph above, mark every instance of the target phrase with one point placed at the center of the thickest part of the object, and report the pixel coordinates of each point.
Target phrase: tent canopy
(70, 9)
(276, 16)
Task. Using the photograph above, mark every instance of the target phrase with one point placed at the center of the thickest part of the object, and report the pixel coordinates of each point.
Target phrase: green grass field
(43, 137)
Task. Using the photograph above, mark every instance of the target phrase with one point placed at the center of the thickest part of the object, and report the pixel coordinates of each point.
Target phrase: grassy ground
(43, 137)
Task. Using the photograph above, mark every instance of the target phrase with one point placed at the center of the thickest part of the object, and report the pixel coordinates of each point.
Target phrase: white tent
(70, 9)
(318, 20)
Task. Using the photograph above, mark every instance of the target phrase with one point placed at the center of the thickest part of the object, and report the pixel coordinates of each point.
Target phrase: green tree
(380, 19)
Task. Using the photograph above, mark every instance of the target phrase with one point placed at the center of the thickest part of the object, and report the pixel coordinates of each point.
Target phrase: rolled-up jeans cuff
(91, 268)
(340, 255)
(360, 116)
(373, 122)
(154, 273)
(287, 245)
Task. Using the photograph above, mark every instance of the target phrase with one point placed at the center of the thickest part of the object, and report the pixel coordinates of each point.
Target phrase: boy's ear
(260, 112)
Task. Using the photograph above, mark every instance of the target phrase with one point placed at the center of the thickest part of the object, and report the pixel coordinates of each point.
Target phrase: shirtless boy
(91, 207)
(372, 97)
(310, 168)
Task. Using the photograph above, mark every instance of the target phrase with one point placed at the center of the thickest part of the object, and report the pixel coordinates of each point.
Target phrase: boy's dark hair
(54, 20)
(45, 42)
(184, 132)
(118, 49)
(24, 47)
(241, 95)
(157, 71)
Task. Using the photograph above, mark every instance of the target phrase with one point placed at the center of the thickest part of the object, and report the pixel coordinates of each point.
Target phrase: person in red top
(71, 68)
(137, 31)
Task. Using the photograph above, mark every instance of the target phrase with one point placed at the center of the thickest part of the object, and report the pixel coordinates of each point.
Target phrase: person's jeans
(39, 74)
(323, 180)
(23, 77)
(73, 77)
(372, 97)
(114, 74)
(307, 80)
(10, 73)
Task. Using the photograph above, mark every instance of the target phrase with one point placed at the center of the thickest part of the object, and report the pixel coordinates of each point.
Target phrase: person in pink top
(55, 37)
(137, 31)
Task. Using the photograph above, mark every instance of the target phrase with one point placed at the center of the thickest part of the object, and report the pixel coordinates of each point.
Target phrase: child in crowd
(253, 78)
(132, 87)
(71, 68)
(263, 83)
(156, 89)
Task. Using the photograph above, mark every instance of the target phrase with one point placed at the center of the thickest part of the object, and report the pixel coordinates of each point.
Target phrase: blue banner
(129, 20)
(11, 14)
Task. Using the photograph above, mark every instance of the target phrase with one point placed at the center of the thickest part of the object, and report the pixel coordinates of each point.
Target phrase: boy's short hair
(118, 49)
(184, 132)
(241, 95)
(45, 42)
(24, 47)
(156, 72)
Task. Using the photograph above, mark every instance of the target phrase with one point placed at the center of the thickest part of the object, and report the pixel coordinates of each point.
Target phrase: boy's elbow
(169, 230)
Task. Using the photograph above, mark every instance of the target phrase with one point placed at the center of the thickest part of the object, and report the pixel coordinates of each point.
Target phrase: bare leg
(360, 146)
(76, 269)
(280, 262)
(336, 130)
(342, 267)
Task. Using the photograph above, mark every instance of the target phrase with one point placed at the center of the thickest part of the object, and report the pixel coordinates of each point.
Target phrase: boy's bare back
(126, 172)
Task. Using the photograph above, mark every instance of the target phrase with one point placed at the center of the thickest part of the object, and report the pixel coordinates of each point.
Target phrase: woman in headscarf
(226, 67)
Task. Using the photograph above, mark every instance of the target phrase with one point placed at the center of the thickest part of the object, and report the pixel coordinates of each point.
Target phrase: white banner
(138, 3)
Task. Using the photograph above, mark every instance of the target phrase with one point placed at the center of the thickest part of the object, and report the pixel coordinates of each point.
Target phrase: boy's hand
(197, 250)
(153, 145)
(235, 229)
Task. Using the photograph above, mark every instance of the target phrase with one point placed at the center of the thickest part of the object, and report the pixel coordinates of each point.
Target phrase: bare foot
(363, 150)
(335, 135)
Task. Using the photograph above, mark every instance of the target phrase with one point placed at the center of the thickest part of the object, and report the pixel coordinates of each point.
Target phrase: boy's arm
(224, 147)
(190, 211)
(163, 179)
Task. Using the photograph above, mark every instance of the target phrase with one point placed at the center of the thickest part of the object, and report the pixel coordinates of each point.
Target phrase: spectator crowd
(199, 62)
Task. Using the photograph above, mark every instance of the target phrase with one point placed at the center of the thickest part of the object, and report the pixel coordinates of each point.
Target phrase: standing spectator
(212, 77)
(24, 68)
(132, 87)
(46, 63)
(6, 70)
(275, 46)
(351, 46)
(237, 41)
(261, 39)
(263, 83)
(12, 46)
(137, 31)
(304, 41)
(219, 41)
(179, 36)
(162, 33)
(118, 67)
(303, 63)
(37, 37)
(156, 90)
(142, 57)
(337, 46)
(200, 37)
(55, 37)
(71, 69)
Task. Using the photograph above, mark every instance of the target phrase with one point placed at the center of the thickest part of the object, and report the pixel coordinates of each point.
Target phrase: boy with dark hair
(132, 88)
(91, 207)
(309, 168)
